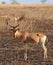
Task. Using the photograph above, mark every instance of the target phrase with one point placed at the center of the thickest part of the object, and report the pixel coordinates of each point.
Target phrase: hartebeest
(37, 37)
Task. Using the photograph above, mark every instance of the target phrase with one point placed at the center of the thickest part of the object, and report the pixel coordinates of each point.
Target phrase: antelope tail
(46, 41)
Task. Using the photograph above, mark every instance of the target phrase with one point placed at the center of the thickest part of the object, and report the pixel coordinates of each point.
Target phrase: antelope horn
(16, 26)
(10, 25)
(20, 17)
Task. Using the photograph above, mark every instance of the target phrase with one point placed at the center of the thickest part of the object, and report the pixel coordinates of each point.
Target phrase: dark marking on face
(37, 34)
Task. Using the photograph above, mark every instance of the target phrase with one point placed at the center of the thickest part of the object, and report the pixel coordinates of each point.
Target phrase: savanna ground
(38, 19)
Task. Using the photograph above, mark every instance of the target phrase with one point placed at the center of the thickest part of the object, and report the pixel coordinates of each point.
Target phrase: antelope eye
(18, 29)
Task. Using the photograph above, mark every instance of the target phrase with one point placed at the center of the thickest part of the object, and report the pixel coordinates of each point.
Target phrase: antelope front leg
(25, 54)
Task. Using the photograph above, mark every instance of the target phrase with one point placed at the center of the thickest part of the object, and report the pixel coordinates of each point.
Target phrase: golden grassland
(26, 5)
(39, 18)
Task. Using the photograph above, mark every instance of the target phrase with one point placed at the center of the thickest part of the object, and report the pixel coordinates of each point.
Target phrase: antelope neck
(14, 31)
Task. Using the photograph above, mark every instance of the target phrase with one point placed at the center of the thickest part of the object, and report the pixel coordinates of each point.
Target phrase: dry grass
(26, 5)
(39, 18)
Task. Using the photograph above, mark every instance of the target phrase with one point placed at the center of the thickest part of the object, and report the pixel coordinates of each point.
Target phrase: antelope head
(13, 28)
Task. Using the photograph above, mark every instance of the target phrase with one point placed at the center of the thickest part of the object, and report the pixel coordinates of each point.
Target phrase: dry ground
(38, 19)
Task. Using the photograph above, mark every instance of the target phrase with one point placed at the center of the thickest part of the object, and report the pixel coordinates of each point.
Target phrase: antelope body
(37, 37)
